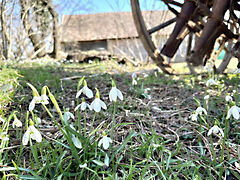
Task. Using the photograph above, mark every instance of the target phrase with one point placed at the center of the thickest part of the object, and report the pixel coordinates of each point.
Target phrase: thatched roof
(108, 25)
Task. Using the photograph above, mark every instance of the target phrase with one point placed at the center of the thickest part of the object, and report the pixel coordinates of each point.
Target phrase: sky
(101, 6)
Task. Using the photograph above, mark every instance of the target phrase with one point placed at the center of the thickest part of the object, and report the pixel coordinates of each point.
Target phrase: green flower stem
(213, 152)
(78, 123)
(114, 119)
(35, 155)
(95, 114)
(223, 145)
(85, 123)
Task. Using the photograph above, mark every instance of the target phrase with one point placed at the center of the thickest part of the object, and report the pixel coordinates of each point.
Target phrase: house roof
(115, 25)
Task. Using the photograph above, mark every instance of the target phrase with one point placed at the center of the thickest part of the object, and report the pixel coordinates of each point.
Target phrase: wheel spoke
(161, 26)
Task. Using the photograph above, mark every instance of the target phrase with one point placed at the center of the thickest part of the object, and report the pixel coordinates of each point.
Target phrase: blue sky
(101, 6)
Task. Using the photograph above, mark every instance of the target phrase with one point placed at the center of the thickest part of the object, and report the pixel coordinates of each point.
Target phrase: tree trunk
(38, 44)
(56, 43)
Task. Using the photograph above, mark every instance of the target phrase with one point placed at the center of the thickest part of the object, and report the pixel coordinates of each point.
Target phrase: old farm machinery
(208, 21)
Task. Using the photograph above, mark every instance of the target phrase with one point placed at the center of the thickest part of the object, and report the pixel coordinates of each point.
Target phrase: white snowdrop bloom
(35, 100)
(211, 82)
(4, 136)
(134, 82)
(105, 141)
(2, 120)
(234, 111)
(39, 120)
(201, 110)
(67, 116)
(16, 123)
(44, 99)
(215, 130)
(97, 104)
(134, 77)
(197, 112)
(206, 97)
(114, 94)
(228, 98)
(32, 133)
(194, 116)
(85, 90)
(77, 143)
(83, 106)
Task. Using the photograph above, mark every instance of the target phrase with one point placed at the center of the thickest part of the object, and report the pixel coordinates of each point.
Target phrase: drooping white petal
(83, 106)
(103, 105)
(88, 92)
(44, 99)
(4, 136)
(106, 141)
(234, 111)
(215, 129)
(79, 93)
(134, 82)
(228, 98)
(77, 143)
(211, 82)
(26, 137)
(194, 116)
(100, 142)
(77, 107)
(95, 105)
(31, 105)
(119, 94)
(206, 97)
(17, 123)
(35, 134)
(201, 110)
(113, 94)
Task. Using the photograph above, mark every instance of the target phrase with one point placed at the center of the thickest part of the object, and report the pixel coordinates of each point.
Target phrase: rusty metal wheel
(150, 46)
(145, 37)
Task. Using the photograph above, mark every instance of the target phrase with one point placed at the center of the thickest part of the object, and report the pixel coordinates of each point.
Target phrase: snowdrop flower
(85, 90)
(32, 133)
(211, 82)
(215, 130)
(67, 116)
(198, 111)
(228, 98)
(44, 99)
(105, 141)
(83, 106)
(37, 99)
(16, 123)
(134, 81)
(4, 136)
(206, 97)
(201, 110)
(234, 111)
(115, 93)
(97, 104)
(194, 116)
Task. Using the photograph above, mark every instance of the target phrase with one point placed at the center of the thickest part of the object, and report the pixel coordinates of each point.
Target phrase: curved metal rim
(144, 36)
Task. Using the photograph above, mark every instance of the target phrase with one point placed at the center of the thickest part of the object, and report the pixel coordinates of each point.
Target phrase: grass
(154, 138)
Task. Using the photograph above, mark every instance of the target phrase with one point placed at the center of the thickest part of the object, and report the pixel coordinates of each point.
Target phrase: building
(112, 32)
